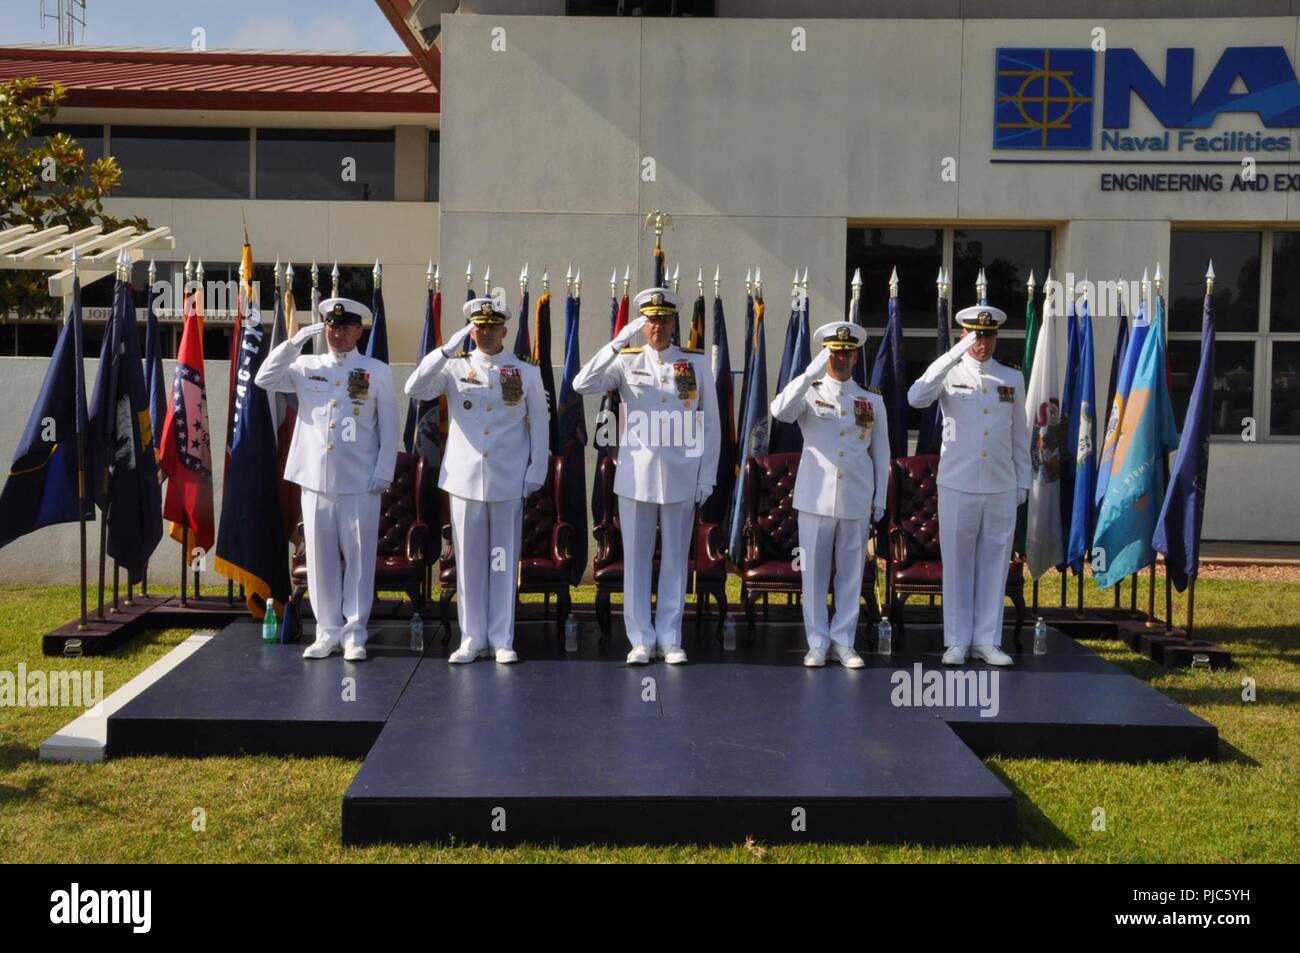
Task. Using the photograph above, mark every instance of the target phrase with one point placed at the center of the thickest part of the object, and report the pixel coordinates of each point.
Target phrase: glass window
(325, 164)
(1234, 381)
(169, 162)
(1284, 305)
(917, 253)
(1007, 255)
(1236, 257)
(1284, 389)
(431, 188)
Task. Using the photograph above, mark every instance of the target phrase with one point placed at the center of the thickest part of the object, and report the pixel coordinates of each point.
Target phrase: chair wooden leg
(722, 612)
(444, 613)
(1018, 600)
(603, 615)
(296, 599)
(562, 606)
(747, 603)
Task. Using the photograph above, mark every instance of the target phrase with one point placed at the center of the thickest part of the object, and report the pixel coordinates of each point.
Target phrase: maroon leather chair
(771, 532)
(914, 563)
(545, 554)
(706, 573)
(403, 536)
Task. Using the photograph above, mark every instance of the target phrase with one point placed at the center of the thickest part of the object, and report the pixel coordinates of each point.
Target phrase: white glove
(962, 346)
(817, 366)
(702, 493)
(530, 488)
(877, 514)
(456, 342)
(305, 334)
(629, 331)
(378, 486)
(1022, 496)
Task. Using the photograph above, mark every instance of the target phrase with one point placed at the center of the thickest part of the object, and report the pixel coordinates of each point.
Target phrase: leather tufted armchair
(707, 572)
(403, 537)
(546, 562)
(771, 532)
(914, 562)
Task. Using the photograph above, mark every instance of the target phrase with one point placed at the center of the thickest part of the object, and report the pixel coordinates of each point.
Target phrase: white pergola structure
(98, 252)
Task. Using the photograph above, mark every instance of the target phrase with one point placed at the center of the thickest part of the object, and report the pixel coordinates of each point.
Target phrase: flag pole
(185, 551)
(1191, 603)
(198, 273)
(83, 623)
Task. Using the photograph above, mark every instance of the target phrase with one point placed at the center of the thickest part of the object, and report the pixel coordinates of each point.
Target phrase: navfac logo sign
(1043, 99)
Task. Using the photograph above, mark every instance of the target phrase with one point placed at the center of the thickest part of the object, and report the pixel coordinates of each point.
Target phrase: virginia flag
(41, 489)
(252, 546)
(186, 444)
(1136, 489)
(377, 344)
(1047, 453)
(572, 431)
(1178, 529)
(929, 438)
(754, 430)
(523, 349)
(795, 358)
(125, 474)
(714, 509)
(1083, 516)
(887, 376)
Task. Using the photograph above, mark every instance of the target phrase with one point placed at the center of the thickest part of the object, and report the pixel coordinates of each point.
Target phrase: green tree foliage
(45, 182)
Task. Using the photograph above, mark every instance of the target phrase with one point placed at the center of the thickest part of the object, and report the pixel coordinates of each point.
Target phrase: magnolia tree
(45, 182)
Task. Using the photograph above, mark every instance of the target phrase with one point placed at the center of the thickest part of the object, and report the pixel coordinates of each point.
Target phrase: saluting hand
(962, 346)
(305, 334)
(817, 366)
(457, 340)
(624, 337)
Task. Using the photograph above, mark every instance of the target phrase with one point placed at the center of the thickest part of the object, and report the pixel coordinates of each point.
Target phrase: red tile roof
(228, 79)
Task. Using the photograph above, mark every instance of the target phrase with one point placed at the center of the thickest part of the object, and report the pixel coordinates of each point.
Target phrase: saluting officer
(983, 476)
(343, 453)
(497, 455)
(667, 462)
(841, 487)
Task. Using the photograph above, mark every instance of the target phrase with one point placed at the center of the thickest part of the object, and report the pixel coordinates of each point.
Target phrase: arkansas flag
(185, 449)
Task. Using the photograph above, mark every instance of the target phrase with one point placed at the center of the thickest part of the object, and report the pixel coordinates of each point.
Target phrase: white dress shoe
(506, 656)
(674, 655)
(847, 655)
(992, 654)
(639, 655)
(323, 647)
(354, 653)
(466, 654)
(815, 658)
(954, 655)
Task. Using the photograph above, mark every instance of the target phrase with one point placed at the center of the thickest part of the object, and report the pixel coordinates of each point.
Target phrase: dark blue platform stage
(580, 748)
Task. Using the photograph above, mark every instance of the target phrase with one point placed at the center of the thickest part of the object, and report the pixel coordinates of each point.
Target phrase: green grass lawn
(1244, 808)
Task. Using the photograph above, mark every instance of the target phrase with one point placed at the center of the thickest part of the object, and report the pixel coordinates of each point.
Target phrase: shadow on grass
(1033, 826)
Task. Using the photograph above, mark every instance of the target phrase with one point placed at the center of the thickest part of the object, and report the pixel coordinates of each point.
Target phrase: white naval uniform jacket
(844, 470)
(985, 433)
(346, 434)
(662, 458)
(494, 444)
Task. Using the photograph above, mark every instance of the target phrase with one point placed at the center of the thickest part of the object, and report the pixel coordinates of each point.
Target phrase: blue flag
(749, 356)
(572, 430)
(606, 420)
(714, 509)
(1136, 489)
(754, 430)
(523, 347)
(125, 474)
(929, 437)
(888, 378)
(1178, 529)
(855, 317)
(1083, 510)
(252, 548)
(413, 405)
(1069, 414)
(377, 345)
(153, 369)
(795, 358)
(41, 489)
(1131, 346)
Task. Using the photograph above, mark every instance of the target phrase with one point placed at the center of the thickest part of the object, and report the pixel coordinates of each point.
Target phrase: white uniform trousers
(976, 533)
(638, 522)
(341, 532)
(486, 585)
(827, 541)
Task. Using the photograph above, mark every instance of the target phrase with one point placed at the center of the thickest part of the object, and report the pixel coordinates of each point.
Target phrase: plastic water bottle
(270, 625)
(884, 637)
(729, 635)
(570, 634)
(417, 633)
(1040, 637)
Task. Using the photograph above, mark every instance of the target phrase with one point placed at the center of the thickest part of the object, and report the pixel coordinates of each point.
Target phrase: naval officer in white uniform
(983, 476)
(667, 463)
(343, 453)
(498, 449)
(841, 487)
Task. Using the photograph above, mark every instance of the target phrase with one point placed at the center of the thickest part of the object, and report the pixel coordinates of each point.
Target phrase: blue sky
(276, 24)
